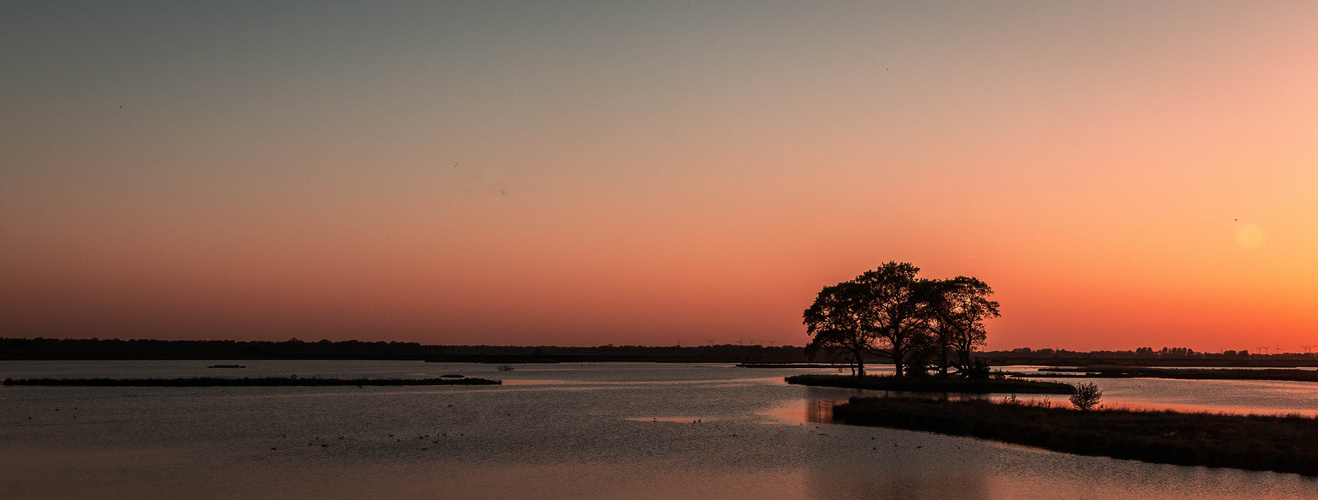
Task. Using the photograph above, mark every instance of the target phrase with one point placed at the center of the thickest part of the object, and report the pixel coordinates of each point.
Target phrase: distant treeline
(1292, 375)
(54, 349)
(1145, 356)
(243, 382)
(50, 349)
(1143, 352)
(43, 348)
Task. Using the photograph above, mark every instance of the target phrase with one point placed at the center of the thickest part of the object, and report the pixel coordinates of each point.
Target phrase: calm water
(615, 430)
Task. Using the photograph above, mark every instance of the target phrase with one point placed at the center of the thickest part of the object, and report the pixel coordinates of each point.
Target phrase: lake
(606, 430)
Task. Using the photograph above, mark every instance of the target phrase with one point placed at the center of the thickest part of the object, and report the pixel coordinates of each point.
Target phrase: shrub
(1086, 396)
(978, 370)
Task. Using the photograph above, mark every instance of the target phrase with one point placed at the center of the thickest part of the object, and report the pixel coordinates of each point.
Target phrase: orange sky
(1123, 175)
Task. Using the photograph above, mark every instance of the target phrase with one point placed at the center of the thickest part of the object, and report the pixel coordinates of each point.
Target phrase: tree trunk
(860, 364)
(942, 364)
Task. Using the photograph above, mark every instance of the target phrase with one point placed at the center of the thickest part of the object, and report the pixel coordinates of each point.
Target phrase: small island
(1254, 442)
(934, 384)
(292, 381)
(928, 328)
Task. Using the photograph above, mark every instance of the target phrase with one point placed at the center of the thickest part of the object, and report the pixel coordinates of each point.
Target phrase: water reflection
(881, 463)
(889, 477)
(817, 405)
(821, 410)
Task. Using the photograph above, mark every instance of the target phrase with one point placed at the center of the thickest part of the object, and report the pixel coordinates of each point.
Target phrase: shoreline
(1291, 375)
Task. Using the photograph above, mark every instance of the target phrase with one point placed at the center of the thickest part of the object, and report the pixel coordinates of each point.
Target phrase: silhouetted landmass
(725, 353)
(793, 365)
(1179, 373)
(934, 384)
(1272, 443)
(43, 348)
(244, 382)
(1146, 356)
(53, 349)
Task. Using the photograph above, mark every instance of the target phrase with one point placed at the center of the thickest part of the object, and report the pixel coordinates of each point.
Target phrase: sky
(1123, 174)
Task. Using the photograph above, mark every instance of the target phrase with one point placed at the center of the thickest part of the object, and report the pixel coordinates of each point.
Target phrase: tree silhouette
(957, 309)
(1086, 396)
(880, 312)
(898, 313)
(891, 312)
(837, 320)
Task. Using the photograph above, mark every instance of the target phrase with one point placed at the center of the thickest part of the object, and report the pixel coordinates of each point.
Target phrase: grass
(244, 382)
(934, 384)
(1254, 442)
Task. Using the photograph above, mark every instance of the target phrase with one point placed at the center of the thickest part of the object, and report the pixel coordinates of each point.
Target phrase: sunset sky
(584, 173)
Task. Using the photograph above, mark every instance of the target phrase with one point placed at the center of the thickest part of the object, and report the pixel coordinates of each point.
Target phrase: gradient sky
(582, 173)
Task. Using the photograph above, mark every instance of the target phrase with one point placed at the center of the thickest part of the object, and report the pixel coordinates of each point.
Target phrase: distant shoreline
(242, 382)
(1176, 373)
(795, 365)
(1253, 442)
(52, 349)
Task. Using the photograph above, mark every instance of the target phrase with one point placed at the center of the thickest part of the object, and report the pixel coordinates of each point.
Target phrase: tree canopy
(893, 313)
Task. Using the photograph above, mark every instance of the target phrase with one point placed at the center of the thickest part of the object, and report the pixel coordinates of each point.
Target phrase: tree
(882, 312)
(897, 316)
(837, 321)
(957, 309)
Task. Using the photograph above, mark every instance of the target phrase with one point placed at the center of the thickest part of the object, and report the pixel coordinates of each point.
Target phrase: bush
(978, 370)
(1086, 396)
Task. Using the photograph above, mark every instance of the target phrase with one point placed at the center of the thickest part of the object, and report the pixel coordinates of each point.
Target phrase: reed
(1252, 442)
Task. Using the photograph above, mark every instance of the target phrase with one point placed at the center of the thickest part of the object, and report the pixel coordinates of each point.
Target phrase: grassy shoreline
(933, 384)
(242, 382)
(1253, 442)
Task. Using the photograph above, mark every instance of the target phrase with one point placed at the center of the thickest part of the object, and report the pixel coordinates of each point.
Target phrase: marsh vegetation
(1252, 442)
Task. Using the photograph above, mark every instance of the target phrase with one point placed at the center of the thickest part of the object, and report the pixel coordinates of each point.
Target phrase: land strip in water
(934, 384)
(1292, 375)
(1253, 442)
(795, 365)
(246, 382)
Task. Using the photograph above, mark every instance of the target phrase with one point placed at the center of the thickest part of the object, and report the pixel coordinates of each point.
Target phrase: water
(610, 430)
